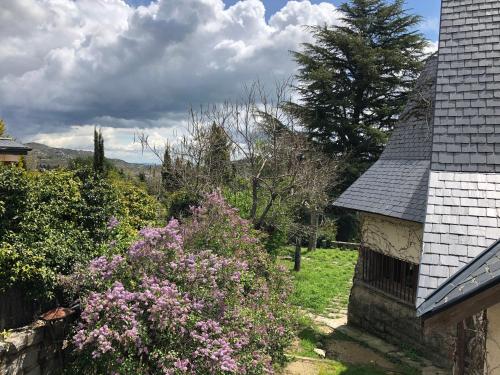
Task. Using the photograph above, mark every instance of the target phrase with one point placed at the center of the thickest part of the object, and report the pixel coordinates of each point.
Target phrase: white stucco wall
(400, 239)
(493, 341)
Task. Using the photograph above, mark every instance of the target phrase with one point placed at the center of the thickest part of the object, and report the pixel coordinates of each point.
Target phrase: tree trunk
(255, 187)
(262, 217)
(313, 234)
(298, 256)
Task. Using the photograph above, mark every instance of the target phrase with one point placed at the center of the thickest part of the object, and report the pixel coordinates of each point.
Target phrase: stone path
(336, 321)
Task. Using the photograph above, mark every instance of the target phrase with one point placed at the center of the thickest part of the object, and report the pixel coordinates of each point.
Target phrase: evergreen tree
(218, 156)
(98, 152)
(2, 128)
(354, 79)
(168, 175)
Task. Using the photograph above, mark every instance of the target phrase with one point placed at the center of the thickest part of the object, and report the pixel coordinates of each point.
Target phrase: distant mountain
(43, 156)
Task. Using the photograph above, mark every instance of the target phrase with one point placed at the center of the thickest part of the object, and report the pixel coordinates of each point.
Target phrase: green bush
(51, 221)
(327, 231)
(13, 198)
(137, 207)
(277, 223)
(179, 203)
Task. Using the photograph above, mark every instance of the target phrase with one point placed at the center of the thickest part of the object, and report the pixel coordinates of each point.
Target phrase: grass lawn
(325, 281)
(325, 277)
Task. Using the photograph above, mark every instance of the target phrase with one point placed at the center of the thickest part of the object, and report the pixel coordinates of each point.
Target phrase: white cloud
(431, 48)
(64, 63)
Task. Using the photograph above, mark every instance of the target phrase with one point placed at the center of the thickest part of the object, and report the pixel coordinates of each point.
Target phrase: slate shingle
(395, 188)
(465, 168)
(478, 274)
(467, 87)
(467, 203)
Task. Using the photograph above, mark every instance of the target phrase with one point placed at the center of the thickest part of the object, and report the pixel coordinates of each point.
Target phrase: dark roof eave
(5, 150)
(429, 313)
(428, 307)
(375, 212)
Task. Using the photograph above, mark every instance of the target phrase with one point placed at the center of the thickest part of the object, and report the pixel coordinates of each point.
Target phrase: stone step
(391, 351)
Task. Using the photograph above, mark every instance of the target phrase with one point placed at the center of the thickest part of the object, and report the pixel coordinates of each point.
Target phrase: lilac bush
(200, 297)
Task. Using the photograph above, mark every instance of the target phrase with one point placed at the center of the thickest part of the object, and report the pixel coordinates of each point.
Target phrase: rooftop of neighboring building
(9, 145)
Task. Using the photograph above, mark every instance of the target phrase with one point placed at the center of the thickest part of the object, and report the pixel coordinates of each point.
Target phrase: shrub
(179, 203)
(137, 207)
(327, 231)
(278, 221)
(198, 298)
(50, 221)
(13, 195)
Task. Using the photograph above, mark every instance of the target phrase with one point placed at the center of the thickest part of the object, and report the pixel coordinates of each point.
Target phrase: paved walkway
(336, 320)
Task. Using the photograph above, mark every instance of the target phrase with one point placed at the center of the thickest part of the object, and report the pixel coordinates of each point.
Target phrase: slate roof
(9, 145)
(463, 210)
(466, 131)
(396, 185)
(482, 273)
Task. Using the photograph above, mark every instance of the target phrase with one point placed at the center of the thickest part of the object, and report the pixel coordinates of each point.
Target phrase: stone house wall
(395, 321)
(37, 349)
(385, 315)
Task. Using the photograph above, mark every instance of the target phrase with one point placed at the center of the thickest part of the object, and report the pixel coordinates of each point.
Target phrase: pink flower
(201, 297)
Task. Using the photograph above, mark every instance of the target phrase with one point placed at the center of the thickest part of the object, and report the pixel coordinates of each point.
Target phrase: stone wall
(37, 349)
(396, 321)
(401, 239)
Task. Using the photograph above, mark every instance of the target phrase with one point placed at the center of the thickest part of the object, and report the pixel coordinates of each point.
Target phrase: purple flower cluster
(197, 298)
(103, 268)
(112, 223)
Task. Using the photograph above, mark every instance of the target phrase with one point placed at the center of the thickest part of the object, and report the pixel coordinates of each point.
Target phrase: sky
(67, 66)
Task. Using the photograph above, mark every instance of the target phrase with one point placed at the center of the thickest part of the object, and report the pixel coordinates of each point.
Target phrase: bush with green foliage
(278, 221)
(327, 231)
(179, 203)
(49, 221)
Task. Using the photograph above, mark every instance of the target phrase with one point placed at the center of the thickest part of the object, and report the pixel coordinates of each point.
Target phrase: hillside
(43, 156)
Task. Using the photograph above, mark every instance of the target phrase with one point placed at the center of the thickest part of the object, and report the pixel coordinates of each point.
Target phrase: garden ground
(321, 294)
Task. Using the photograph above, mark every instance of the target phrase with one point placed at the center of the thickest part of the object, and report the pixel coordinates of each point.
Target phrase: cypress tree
(101, 151)
(354, 78)
(98, 151)
(2, 128)
(168, 175)
(218, 156)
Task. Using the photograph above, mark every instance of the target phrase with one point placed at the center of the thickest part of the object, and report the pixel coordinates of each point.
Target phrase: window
(390, 275)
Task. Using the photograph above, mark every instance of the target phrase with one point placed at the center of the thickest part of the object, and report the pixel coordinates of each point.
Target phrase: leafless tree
(268, 144)
(317, 178)
(268, 148)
